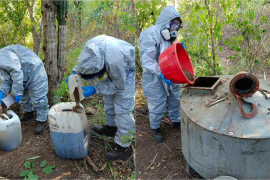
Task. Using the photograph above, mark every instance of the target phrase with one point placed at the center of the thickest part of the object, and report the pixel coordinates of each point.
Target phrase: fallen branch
(61, 176)
(103, 167)
(1, 157)
(152, 162)
(167, 147)
(172, 176)
(91, 163)
(144, 134)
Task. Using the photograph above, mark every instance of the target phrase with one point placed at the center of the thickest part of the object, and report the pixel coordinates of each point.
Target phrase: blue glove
(166, 80)
(18, 98)
(89, 91)
(68, 77)
(1, 96)
(183, 45)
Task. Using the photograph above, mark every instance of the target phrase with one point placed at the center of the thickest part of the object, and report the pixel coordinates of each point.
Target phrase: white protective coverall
(118, 89)
(23, 73)
(156, 91)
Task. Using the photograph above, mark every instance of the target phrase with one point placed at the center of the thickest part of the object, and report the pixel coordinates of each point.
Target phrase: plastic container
(171, 62)
(69, 131)
(10, 131)
(75, 81)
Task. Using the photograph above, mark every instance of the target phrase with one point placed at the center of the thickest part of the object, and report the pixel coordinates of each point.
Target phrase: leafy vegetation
(31, 166)
(211, 25)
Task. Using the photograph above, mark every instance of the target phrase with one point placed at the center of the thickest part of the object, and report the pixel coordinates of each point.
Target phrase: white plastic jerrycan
(69, 131)
(10, 131)
(75, 81)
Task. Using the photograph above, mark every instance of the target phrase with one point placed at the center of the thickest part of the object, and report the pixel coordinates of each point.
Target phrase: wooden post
(55, 54)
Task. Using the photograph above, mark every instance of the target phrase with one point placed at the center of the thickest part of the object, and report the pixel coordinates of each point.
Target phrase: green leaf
(43, 163)
(241, 38)
(256, 61)
(24, 173)
(33, 164)
(48, 169)
(27, 164)
(35, 157)
(33, 176)
(220, 48)
(197, 7)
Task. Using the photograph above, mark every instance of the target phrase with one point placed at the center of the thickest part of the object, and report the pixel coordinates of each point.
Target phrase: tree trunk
(79, 5)
(49, 47)
(62, 7)
(62, 46)
(55, 54)
(212, 38)
(36, 36)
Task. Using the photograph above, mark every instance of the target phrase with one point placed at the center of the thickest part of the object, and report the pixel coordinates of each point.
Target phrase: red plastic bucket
(171, 62)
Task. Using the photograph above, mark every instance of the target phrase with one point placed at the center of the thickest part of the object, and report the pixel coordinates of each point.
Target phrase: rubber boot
(27, 116)
(105, 130)
(177, 125)
(39, 127)
(119, 153)
(158, 136)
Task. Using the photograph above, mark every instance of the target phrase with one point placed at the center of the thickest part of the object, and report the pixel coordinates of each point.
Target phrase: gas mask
(100, 76)
(170, 33)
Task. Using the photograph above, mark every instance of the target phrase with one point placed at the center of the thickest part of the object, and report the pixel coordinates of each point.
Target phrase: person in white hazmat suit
(159, 91)
(111, 61)
(23, 73)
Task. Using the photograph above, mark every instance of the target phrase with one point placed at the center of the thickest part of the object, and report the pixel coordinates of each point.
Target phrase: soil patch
(158, 160)
(188, 74)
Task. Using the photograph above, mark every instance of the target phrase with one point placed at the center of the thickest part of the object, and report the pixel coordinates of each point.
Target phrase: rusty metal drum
(219, 141)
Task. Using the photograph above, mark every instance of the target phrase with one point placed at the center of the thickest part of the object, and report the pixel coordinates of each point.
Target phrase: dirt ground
(157, 160)
(12, 163)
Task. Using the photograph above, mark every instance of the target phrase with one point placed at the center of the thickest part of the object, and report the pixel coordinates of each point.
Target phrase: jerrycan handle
(7, 118)
(250, 115)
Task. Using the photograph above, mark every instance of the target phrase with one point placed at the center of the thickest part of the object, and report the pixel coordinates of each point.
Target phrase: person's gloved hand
(18, 98)
(1, 96)
(166, 80)
(183, 45)
(89, 91)
(68, 77)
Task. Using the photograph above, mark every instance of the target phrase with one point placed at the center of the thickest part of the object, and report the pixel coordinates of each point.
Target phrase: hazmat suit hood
(91, 59)
(167, 14)
(105, 53)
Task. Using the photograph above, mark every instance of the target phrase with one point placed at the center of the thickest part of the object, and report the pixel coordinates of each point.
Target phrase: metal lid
(225, 117)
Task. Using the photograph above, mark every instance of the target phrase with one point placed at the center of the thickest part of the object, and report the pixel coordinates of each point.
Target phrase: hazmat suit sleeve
(148, 51)
(11, 63)
(75, 69)
(6, 83)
